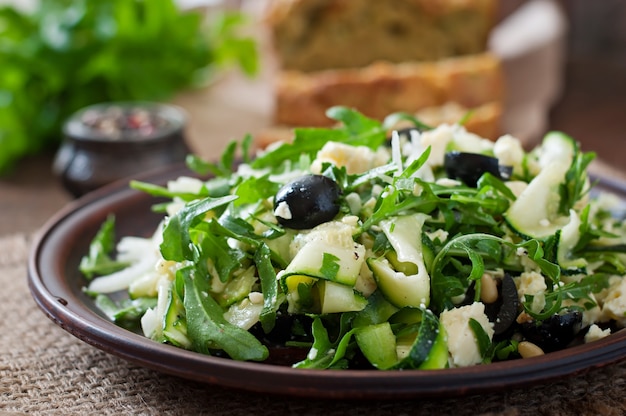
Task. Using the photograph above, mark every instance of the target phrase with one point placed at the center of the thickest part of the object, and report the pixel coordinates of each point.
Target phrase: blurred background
(563, 63)
(593, 102)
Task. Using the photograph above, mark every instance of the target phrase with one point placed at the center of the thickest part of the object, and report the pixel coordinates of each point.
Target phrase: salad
(388, 245)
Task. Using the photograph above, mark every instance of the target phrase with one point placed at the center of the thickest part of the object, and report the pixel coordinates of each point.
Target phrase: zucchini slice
(405, 236)
(534, 214)
(556, 147)
(336, 298)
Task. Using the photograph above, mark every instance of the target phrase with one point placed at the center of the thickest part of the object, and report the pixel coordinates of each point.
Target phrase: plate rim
(81, 321)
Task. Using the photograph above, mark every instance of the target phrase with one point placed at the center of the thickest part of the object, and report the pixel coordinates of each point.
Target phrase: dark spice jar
(110, 141)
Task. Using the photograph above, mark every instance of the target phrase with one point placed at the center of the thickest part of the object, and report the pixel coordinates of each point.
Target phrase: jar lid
(131, 121)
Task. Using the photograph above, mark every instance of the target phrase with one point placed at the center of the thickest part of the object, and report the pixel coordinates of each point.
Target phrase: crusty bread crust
(383, 88)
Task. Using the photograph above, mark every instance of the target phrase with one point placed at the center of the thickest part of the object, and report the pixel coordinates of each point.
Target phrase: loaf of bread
(426, 57)
(313, 35)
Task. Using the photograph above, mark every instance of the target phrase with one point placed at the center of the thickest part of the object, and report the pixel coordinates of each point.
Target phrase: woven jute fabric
(44, 370)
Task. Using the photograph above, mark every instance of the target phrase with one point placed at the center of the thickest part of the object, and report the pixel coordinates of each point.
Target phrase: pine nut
(488, 289)
(528, 349)
(524, 317)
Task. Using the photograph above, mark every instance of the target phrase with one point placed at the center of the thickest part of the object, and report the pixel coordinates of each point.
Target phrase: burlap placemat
(44, 370)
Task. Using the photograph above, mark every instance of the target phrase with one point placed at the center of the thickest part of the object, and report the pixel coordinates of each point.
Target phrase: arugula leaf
(356, 130)
(324, 353)
(160, 191)
(225, 258)
(330, 266)
(99, 261)
(269, 287)
(359, 129)
(306, 141)
(177, 244)
(207, 327)
(252, 190)
(575, 185)
(126, 313)
(482, 339)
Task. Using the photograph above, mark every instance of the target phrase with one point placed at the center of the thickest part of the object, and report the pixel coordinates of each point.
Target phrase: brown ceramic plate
(56, 284)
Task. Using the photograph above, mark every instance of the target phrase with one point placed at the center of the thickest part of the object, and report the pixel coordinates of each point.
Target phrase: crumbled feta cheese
(351, 220)
(440, 234)
(532, 284)
(595, 333)
(614, 305)
(447, 182)
(283, 210)
(365, 282)
(517, 187)
(462, 343)
(438, 140)
(509, 152)
(185, 184)
(465, 141)
(356, 159)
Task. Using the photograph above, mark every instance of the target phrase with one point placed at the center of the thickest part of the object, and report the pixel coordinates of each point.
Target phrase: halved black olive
(508, 305)
(307, 201)
(503, 311)
(469, 167)
(554, 333)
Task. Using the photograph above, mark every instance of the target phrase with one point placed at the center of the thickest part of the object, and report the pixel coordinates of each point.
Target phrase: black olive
(503, 311)
(469, 167)
(309, 201)
(509, 304)
(554, 333)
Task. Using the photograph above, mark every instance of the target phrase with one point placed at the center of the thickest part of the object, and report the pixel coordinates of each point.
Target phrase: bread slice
(379, 89)
(313, 35)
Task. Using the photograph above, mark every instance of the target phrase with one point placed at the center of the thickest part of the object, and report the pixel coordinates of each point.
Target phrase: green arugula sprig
(98, 261)
(356, 129)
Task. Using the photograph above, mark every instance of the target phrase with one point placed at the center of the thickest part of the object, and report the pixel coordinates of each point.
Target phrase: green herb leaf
(269, 287)
(98, 261)
(482, 339)
(177, 243)
(330, 266)
(126, 313)
(208, 329)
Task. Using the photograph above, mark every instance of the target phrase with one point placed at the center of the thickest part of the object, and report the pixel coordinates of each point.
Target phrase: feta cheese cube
(462, 343)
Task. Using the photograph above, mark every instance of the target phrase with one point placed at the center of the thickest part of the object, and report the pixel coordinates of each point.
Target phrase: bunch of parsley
(67, 54)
